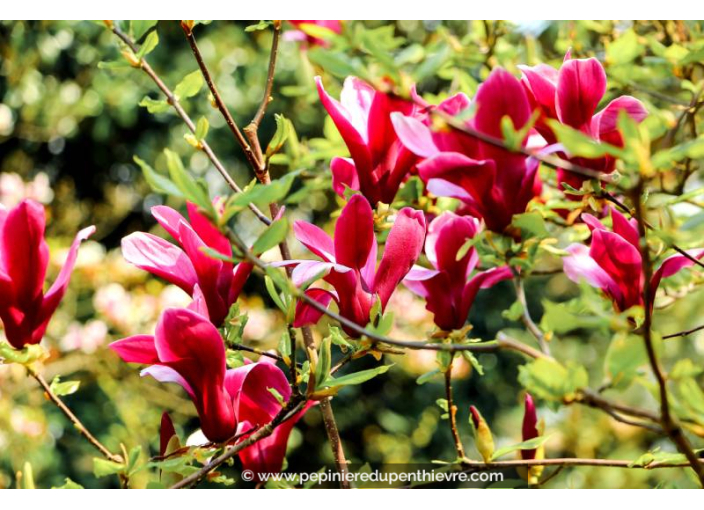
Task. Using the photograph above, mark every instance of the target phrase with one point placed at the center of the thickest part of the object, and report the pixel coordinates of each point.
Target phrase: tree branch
(187, 30)
(667, 420)
(173, 101)
(452, 410)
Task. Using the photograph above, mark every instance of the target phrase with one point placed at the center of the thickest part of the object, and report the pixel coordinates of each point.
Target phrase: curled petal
(414, 135)
(344, 175)
(306, 314)
(580, 87)
(315, 239)
(403, 246)
(136, 349)
(161, 258)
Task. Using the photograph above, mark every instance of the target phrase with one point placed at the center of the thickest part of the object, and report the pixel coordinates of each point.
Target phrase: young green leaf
(189, 86)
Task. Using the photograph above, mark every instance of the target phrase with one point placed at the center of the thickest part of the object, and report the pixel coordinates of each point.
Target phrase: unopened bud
(483, 439)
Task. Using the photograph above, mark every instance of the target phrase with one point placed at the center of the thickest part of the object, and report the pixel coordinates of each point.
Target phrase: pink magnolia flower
(349, 262)
(255, 406)
(188, 350)
(530, 426)
(379, 163)
(613, 262)
(25, 309)
(334, 25)
(571, 96)
(493, 183)
(218, 282)
(448, 289)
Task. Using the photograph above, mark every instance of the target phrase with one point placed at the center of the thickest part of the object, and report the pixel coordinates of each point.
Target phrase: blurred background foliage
(68, 133)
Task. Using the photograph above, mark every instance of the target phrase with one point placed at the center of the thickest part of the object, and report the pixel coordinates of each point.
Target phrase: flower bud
(530, 426)
(483, 439)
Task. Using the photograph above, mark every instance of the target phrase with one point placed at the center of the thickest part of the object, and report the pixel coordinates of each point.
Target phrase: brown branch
(270, 75)
(526, 318)
(683, 333)
(173, 101)
(82, 430)
(475, 465)
(452, 410)
(667, 420)
(222, 107)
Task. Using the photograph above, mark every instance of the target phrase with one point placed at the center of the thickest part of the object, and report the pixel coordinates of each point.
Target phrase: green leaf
(579, 144)
(26, 356)
(188, 186)
(259, 194)
(154, 105)
(148, 45)
(626, 354)
(357, 377)
(283, 129)
(202, 128)
(157, 182)
(61, 389)
(427, 376)
(103, 467)
(133, 458)
(140, 27)
(272, 236)
(262, 25)
(189, 86)
(337, 64)
(531, 444)
(624, 49)
(547, 379)
(471, 358)
(531, 224)
(322, 368)
(274, 293)
(69, 484)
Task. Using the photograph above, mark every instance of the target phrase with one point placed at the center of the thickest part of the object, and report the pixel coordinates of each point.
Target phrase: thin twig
(270, 75)
(452, 410)
(218, 99)
(526, 318)
(475, 465)
(74, 419)
(668, 421)
(683, 333)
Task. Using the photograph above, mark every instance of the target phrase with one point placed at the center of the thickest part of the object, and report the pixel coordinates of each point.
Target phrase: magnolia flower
(493, 183)
(448, 289)
(187, 349)
(303, 32)
(379, 163)
(571, 95)
(349, 262)
(613, 262)
(252, 387)
(25, 309)
(218, 282)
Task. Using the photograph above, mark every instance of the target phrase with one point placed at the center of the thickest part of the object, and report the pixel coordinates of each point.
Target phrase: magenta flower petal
(315, 239)
(344, 175)
(414, 134)
(136, 349)
(161, 258)
(25, 254)
(306, 314)
(403, 246)
(673, 265)
(581, 85)
(580, 265)
(354, 234)
(605, 123)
